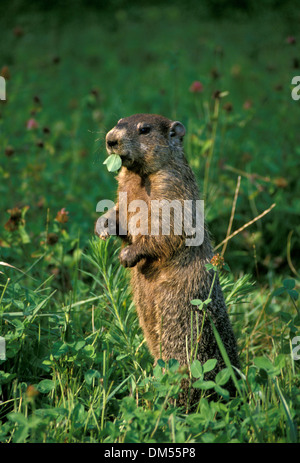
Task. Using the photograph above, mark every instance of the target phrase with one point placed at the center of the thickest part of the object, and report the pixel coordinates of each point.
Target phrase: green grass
(78, 368)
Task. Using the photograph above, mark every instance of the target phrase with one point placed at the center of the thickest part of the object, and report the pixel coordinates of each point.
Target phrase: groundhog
(166, 273)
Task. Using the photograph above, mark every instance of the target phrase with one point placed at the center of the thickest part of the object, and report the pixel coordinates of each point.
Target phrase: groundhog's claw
(104, 235)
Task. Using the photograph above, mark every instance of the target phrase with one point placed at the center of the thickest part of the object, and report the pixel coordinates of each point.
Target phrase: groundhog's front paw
(128, 257)
(101, 233)
(104, 235)
(102, 228)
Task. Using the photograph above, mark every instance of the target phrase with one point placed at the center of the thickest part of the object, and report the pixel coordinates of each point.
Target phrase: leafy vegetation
(77, 368)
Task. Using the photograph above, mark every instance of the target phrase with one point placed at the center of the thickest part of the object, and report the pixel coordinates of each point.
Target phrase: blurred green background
(72, 69)
(77, 367)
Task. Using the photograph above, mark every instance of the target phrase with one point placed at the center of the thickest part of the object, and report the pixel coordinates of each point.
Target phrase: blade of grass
(245, 226)
(288, 254)
(292, 428)
(234, 378)
(232, 214)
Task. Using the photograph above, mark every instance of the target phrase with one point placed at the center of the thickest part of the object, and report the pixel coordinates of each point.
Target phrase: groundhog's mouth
(127, 158)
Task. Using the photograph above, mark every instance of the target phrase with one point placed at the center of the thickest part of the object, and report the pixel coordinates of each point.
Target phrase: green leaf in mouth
(113, 162)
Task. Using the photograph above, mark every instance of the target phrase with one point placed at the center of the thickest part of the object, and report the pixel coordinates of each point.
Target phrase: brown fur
(165, 273)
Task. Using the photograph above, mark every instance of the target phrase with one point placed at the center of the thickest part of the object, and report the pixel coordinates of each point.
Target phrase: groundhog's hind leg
(148, 314)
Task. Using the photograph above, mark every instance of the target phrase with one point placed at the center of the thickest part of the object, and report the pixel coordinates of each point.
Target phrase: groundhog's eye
(144, 129)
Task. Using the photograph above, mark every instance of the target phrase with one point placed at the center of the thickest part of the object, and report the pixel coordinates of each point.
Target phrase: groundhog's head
(146, 142)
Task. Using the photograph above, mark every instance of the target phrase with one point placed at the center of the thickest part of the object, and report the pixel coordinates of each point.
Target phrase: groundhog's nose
(114, 139)
(111, 142)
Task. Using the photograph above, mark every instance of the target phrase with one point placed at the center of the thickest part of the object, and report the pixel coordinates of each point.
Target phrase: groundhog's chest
(135, 187)
(134, 197)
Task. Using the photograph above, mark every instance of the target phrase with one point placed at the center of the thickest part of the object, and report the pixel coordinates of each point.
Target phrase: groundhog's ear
(177, 130)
